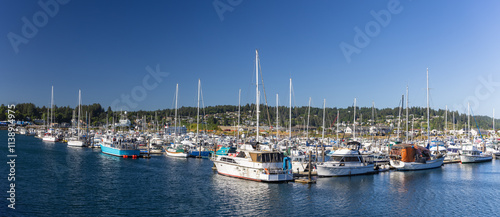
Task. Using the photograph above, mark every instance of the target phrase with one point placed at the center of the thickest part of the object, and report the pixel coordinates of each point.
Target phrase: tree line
(226, 115)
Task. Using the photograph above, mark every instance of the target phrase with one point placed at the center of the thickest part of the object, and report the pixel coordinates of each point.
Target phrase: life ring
(266, 170)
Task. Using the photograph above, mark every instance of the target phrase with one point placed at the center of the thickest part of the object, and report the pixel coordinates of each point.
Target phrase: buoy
(125, 156)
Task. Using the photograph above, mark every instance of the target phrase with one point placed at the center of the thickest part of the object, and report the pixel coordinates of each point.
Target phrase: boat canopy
(410, 153)
(266, 157)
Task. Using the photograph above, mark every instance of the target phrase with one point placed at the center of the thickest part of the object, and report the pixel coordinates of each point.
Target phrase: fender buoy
(267, 171)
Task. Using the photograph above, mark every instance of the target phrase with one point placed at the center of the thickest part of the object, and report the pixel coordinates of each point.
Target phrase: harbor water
(53, 179)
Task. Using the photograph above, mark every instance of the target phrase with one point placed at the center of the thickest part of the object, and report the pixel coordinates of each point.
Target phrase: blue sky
(104, 47)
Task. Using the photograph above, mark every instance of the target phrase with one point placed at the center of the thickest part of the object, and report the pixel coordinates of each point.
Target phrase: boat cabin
(267, 157)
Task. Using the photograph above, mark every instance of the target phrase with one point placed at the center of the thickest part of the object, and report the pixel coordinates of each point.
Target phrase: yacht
(470, 154)
(347, 162)
(252, 164)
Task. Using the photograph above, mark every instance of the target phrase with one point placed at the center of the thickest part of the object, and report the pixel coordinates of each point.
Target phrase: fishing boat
(119, 147)
(250, 162)
(346, 162)
(470, 154)
(412, 157)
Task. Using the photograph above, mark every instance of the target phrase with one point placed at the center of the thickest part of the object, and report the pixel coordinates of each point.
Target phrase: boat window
(351, 159)
(336, 158)
(229, 160)
(259, 158)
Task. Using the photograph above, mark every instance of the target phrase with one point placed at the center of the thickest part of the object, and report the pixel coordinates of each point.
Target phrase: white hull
(177, 154)
(76, 143)
(335, 170)
(474, 159)
(299, 166)
(250, 173)
(50, 139)
(400, 165)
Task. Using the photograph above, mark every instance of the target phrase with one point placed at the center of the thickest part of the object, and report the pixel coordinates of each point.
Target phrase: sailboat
(413, 157)
(176, 149)
(196, 150)
(77, 141)
(249, 162)
(49, 135)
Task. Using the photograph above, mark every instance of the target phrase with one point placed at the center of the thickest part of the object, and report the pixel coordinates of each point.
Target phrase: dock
(451, 161)
(305, 181)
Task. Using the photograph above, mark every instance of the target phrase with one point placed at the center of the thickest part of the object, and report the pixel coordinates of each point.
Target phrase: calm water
(55, 180)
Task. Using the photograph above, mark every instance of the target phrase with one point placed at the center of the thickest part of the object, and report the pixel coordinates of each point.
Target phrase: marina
(249, 108)
(96, 184)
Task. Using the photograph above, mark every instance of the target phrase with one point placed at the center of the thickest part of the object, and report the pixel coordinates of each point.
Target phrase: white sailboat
(413, 157)
(77, 141)
(176, 149)
(251, 163)
(49, 135)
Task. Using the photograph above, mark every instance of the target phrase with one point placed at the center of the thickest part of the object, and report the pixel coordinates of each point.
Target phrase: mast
(454, 132)
(446, 120)
(407, 114)
(175, 118)
(373, 116)
(290, 113)
(257, 92)
(198, 114)
(428, 126)
(494, 133)
(277, 123)
(354, 122)
(79, 110)
(308, 115)
(51, 107)
(468, 120)
(338, 112)
(323, 133)
(239, 111)
(399, 116)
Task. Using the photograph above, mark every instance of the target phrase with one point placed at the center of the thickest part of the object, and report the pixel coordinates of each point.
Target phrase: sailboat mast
(446, 120)
(308, 115)
(354, 121)
(257, 92)
(494, 133)
(79, 110)
(468, 120)
(399, 116)
(453, 123)
(323, 133)
(52, 106)
(175, 115)
(338, 112)
(277, 120)
(198, 113)
(428, 125)
(239, 111)
(290, 112)
(407, 114)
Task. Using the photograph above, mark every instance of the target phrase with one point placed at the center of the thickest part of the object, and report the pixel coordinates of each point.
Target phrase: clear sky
(104, 48)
